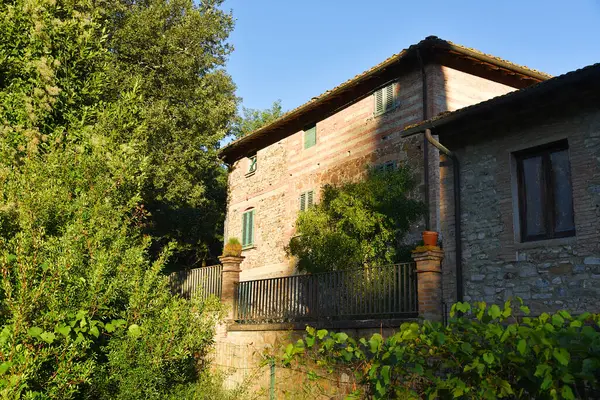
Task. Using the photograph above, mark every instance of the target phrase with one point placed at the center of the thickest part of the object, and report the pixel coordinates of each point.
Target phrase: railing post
(429, 281)
(230, 277)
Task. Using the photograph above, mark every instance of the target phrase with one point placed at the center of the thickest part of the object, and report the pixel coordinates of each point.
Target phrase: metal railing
(207, 280)
(374, 292)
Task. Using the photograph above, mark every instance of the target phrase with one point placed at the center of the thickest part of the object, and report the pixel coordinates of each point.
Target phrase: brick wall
(346, 142)
(549, 275)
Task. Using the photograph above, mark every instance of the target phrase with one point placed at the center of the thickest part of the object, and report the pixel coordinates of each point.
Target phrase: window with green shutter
(386, 99)
(307, 200)
(310, 137)
(252, 165)
(248, 228)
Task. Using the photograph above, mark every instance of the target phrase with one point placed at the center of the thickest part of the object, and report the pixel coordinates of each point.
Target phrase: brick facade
(547, 274)
(346, 142)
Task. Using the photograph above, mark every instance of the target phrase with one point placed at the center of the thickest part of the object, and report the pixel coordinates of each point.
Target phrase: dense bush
(483, 353)
(107, 109)
(358, 224)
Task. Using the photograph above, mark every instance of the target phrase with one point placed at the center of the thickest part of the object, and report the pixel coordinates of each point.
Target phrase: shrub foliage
(358, 224)
(109, 110)
(483, 353)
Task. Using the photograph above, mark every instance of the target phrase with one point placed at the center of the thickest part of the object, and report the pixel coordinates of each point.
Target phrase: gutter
(425, 142)
(457, 212)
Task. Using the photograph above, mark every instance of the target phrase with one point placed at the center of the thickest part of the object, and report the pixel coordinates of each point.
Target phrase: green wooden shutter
(303, 202)
(248, 228)
(252, 167)
(251, 228)
(389, 97)
(310, 137)
(244, 229)
(379, 106)
(385, 99)
(309, 198)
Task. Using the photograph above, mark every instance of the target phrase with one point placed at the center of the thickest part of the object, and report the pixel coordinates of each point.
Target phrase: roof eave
(230, 152)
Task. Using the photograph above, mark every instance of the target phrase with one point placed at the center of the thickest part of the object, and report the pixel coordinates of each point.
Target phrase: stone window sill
(248, 247)
(546, 243)
(249, 174)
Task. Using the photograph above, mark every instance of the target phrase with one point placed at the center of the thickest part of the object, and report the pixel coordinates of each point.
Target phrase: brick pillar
(229, 280)
(429, 281)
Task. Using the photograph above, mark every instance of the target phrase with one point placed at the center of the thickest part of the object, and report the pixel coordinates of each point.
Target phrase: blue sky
(296, 49)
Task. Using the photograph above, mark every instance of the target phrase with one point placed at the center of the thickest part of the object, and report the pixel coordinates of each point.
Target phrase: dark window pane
(563, 197)
(533, 179)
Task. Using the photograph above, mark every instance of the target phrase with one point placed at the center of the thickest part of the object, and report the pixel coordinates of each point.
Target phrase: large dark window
(545, 193)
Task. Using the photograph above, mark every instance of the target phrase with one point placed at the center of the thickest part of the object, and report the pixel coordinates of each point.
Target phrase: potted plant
(233, 248)
(430, 238)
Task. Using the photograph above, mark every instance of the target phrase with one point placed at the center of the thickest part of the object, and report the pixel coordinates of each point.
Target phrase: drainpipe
(457, 212)
(425, 141)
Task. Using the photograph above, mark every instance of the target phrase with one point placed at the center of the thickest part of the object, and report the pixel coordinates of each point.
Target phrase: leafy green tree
(254, 119)
(91, 143)
(172, 53)
(357, 223)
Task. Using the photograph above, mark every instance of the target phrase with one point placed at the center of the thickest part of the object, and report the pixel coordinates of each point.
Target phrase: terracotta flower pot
(430, 238)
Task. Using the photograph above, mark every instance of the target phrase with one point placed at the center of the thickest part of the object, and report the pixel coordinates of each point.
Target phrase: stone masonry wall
(346, 142)
(549, 274)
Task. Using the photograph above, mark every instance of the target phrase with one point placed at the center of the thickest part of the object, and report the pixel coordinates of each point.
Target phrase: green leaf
(494, 311)
(546, 382)
(94, 331)
(576, 324)
(542, 370)
(34, 331)
(289, 349)
(567, 393)
(467, 348)
(441, 338)
(525, 310)
(506, 388)
(522, 346)
(385, 373)
(561, 355)
(64, 330)
(81, 314)
(463, 307)
(109, 327)
(458, 391)
(341, 337)
(557, 320)
(488, 358)
(5, 366)
(418, 368)
(134, 331)
(48, 337)
(380, 388)
(374, 342)
(321, 333)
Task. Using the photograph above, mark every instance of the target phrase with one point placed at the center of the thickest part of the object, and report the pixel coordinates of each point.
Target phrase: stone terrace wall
(551, 274)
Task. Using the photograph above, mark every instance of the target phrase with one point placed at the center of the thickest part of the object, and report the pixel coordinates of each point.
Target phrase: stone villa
(508, 159)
